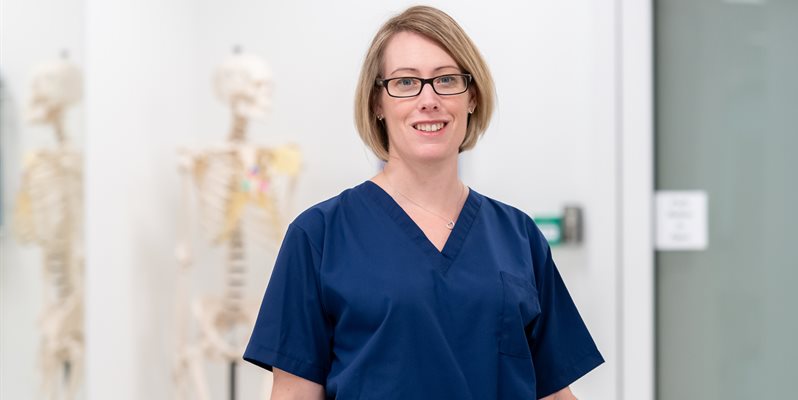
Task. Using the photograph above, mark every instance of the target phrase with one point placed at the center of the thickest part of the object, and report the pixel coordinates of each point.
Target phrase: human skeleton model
(48, 214)
(239, 188)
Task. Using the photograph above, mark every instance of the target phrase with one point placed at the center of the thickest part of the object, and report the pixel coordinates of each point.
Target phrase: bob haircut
(442, 29)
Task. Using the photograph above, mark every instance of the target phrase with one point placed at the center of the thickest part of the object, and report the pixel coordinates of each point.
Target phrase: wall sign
(681, 222)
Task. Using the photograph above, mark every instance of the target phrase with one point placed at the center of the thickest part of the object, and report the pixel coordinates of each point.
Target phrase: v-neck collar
(454, 243)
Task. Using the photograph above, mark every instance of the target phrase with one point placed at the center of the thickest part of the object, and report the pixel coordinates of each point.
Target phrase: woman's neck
(434, 185)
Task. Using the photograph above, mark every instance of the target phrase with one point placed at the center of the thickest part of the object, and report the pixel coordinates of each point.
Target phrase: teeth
(430, 127)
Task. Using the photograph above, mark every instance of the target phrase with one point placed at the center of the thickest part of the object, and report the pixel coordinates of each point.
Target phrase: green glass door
(727, 124)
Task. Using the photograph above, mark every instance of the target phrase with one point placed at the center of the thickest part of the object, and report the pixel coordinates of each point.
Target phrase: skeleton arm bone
(183, 369)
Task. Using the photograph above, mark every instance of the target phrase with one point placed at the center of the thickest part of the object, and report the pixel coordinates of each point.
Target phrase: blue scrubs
(360, 301)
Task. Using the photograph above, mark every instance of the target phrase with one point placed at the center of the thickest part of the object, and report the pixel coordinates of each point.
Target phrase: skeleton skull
(244, 82)
(54, 86)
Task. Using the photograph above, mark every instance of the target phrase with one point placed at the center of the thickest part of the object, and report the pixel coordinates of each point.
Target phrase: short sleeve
(291, 332)
(562, 348)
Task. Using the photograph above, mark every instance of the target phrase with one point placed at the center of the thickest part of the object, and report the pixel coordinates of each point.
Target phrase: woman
(411, 285)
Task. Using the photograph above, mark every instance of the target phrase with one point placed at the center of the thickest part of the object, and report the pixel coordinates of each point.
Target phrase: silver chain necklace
(449, 222)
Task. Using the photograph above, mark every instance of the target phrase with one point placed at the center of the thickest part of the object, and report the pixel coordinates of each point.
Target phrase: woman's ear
(378, 109)
(472, 101)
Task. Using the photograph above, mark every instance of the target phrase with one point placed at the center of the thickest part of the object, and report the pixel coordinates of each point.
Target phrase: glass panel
(727, 123)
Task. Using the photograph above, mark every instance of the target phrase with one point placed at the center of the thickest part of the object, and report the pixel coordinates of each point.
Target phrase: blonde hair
(442, 29)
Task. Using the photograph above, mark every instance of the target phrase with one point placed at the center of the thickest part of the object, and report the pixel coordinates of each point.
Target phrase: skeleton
(48, 213)
(239, 188)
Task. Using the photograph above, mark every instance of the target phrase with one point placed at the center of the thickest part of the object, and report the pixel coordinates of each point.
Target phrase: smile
(426, 127)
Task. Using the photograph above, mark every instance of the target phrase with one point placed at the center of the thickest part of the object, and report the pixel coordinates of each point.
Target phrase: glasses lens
(450, 84)
(404, 86)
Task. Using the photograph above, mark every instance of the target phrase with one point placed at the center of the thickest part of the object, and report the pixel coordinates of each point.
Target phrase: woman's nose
(428, 99)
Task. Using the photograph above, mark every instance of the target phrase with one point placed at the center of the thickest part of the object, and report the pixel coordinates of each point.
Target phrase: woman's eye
(447, 80)
(404, 82)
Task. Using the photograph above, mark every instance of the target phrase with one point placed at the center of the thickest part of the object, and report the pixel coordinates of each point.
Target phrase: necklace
(449, 222)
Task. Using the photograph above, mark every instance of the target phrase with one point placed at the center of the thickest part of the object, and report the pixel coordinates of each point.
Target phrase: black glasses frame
(384, 83)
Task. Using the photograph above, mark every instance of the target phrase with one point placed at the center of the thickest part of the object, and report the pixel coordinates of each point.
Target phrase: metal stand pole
(233, 380)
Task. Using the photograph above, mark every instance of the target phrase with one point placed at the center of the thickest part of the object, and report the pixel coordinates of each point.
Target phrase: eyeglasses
(409, 86)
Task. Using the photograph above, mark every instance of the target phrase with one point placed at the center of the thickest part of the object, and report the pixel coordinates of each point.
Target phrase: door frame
(635, 145)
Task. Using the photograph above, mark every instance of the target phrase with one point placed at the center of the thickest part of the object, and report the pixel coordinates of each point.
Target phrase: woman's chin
(435, 154)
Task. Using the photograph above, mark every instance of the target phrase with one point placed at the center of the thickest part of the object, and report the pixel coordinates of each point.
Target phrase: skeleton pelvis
(224, 331)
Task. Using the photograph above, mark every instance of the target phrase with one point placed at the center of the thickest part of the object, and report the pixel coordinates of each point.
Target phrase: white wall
(554, 140)
(141, 103)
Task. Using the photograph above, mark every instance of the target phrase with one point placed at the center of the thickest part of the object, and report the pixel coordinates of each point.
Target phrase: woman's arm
(564, 394)
(288, 386)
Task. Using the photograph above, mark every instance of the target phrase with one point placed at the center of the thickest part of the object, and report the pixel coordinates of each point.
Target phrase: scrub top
(361, 302)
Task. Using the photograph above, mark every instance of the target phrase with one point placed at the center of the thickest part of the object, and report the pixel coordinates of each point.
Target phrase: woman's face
(428, 127)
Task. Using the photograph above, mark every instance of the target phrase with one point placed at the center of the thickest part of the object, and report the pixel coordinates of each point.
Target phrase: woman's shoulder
(499, 208)
(315, 218)
(509, 217)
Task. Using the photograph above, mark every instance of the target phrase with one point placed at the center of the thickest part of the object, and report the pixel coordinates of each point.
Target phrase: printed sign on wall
(681, 222)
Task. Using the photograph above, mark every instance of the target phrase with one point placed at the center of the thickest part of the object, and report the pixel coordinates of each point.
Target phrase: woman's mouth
(429, 128)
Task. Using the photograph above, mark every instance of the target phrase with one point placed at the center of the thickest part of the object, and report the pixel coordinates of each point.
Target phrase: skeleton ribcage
(225, 204)
(49, 213)
(239, 207)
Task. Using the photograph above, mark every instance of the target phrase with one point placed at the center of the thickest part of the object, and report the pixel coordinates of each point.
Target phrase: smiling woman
(422, 125)
(412, 285)
(445, 36)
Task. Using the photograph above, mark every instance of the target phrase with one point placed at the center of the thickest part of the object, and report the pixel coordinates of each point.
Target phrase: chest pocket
(520, 307)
